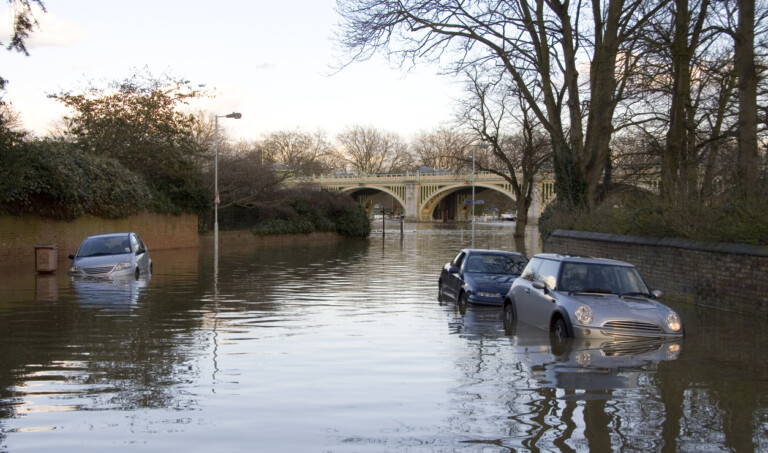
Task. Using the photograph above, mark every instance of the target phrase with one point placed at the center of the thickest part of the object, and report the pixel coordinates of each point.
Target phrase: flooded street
(344, 348)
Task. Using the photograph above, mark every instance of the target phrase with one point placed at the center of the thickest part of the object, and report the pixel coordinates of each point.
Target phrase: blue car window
(476, 264)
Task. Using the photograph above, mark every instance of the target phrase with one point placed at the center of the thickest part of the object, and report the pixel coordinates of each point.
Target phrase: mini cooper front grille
(97, 270)
(630, 327)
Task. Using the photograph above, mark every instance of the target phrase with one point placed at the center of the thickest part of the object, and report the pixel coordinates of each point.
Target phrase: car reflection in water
(590, 364)
(116, 294)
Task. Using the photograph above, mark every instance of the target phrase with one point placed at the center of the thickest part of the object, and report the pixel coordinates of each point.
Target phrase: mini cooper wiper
(635, 294)
(592, 291)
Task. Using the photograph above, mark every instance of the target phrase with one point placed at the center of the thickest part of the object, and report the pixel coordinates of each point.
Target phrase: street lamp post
(216, 200)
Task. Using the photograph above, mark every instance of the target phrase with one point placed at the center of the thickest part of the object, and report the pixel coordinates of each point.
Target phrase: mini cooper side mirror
(657, 293)
(538, 284)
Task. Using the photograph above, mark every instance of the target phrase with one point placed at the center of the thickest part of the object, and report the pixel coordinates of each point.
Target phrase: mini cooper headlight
(584, 314)
(673, 321)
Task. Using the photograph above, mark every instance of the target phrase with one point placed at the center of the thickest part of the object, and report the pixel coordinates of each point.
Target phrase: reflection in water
(109, 294)
(344, 347)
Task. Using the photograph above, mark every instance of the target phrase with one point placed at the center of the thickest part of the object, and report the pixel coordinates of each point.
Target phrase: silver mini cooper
(588, 298)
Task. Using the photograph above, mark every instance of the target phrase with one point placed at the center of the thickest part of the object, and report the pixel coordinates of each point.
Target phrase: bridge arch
(430, 202)
(350, 190)
(419, 193)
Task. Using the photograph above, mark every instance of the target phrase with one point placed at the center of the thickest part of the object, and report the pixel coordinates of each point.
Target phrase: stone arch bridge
(421, 194)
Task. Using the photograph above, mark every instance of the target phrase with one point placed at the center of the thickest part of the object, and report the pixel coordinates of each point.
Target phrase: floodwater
(345, 348)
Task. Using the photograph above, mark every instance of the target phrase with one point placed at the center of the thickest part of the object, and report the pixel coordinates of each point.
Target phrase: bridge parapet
(348, 179)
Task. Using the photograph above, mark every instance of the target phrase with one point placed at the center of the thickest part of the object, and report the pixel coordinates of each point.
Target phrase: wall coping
(688, 244)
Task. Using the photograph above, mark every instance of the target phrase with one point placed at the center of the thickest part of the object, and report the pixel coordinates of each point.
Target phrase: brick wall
(19, 235)
(729, 276)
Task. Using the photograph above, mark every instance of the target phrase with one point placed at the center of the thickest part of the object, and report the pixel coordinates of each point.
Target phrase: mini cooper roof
(581, 259)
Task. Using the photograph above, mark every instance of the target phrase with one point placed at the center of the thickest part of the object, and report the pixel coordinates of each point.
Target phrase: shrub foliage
(55, 180)
(301, 211)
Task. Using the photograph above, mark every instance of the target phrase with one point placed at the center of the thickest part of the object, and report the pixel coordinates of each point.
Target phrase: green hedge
(316, 211)
(55, 180)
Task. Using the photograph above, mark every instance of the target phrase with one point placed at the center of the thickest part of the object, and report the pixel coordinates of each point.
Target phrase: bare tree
(303, 153)
(438, 149)
(243, 180)
(537, 46)
(746, 70)
(369, 151)
(516, 141)
(695, 105)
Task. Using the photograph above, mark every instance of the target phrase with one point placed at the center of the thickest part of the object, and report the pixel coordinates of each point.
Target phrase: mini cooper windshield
(602, 278)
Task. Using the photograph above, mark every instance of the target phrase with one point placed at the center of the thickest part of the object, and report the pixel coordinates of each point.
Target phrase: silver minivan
(111, 255)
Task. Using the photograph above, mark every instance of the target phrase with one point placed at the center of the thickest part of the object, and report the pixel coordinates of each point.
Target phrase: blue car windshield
(101, 246)
(488, 263)
(601, 278)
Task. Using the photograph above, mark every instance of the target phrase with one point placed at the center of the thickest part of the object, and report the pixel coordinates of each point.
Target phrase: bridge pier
(411, 201)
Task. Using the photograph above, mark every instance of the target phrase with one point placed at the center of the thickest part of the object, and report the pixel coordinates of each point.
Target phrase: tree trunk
(673, 161)
(744, 53)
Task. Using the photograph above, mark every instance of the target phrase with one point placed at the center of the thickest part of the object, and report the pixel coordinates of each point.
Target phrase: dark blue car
(479, 277)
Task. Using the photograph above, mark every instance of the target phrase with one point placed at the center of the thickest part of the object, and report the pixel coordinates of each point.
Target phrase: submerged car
(588, 298)
(479, 277)
(111, 255)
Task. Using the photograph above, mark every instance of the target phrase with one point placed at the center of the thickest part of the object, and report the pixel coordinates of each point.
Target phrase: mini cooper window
(541, 269)
(530, 272)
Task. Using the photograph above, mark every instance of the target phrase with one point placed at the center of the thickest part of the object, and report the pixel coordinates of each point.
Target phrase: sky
(272, 61)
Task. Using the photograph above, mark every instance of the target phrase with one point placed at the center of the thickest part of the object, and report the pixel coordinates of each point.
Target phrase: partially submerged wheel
(559, 329)
(440, 292)
(558, 336)
(462, 302)
(508, 319)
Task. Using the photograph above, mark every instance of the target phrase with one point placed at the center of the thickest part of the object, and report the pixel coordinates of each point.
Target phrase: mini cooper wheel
(558, 336)
(559, 329)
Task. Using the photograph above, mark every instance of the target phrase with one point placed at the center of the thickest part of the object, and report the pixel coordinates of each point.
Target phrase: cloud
(51, 30)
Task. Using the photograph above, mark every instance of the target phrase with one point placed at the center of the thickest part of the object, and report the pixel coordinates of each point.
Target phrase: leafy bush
(55, 180)
(353, 221)
(307, 211)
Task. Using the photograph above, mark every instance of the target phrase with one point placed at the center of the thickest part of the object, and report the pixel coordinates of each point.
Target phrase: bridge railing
(346, 178)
